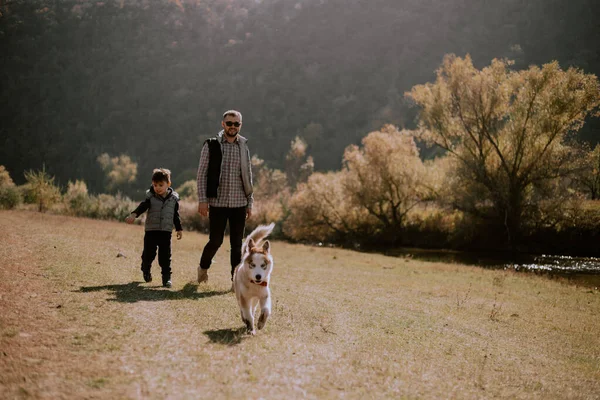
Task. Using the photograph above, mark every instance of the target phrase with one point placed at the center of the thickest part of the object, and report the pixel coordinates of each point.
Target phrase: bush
(5, 179)
(319, 211)
(188, 190)
(106, 206)
(10, 197)
(40, 189)
(77, 198)
(190, 219)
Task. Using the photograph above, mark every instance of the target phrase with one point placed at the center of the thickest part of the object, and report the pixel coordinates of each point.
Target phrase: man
(225, 190)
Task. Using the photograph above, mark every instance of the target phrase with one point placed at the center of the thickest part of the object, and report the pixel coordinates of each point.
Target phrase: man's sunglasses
(236, 124)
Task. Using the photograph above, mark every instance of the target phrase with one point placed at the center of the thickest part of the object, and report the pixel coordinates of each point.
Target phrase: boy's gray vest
(161, 211)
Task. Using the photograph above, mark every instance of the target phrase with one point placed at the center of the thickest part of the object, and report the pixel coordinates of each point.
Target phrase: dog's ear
(251, 244)
(266, 246)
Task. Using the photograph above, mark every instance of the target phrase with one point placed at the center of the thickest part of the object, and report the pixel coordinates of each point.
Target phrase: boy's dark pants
(162, 241)
(218, 217)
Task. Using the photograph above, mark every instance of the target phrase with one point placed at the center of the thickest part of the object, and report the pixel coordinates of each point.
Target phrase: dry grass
(77, 322)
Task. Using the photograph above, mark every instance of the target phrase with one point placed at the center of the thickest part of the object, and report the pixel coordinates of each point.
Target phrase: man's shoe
(147, 276)
(202, 275)
(167, 283)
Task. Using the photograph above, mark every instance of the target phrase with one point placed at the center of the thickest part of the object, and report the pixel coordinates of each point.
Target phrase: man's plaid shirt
(231, 188)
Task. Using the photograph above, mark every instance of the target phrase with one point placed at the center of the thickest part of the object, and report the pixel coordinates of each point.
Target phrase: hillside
(150, 78)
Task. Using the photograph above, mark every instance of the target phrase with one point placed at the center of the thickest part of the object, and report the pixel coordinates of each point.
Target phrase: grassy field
(77, 321)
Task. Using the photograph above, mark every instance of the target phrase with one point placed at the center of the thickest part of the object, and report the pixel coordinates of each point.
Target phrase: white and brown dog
(252, 277)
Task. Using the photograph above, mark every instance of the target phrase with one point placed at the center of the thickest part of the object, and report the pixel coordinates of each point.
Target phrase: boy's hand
(130, 218)
(179, 235)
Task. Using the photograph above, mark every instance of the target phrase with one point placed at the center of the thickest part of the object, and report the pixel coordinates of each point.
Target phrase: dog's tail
(258, 234)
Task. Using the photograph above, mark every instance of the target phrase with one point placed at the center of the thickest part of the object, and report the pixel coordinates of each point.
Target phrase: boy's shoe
(202, 275)
(147, 276)
(167, 283)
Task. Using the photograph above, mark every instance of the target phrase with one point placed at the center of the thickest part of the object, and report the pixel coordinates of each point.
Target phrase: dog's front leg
(265, 311)
(247, 316)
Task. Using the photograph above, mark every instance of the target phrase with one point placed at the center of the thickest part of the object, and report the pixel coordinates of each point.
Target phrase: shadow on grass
(230, 337)
(134, 291)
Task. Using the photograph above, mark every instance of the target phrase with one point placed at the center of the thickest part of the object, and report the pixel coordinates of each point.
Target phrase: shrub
(10, 197)
(188, 190)
(5, 179)
(40, 189)
(106, 206)
(319, 211)
(190, 219)
(77, 198)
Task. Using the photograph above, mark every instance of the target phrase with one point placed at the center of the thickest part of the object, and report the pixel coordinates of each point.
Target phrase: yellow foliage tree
(506, 129)
(587, 176)
(298, 166)
(379, 184)
(120, 171)
(386, 177)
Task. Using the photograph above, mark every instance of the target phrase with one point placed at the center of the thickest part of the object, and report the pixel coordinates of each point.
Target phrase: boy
(162, 204)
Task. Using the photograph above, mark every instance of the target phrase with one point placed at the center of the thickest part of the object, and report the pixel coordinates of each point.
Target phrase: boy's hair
(161, 175)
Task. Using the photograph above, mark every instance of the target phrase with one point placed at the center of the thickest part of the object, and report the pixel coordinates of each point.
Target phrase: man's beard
(234, 134)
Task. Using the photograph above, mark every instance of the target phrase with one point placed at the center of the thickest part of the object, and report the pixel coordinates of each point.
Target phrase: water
(584, 271)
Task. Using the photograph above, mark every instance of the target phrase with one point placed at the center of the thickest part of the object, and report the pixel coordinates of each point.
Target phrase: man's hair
(161, 175)
(233, 113)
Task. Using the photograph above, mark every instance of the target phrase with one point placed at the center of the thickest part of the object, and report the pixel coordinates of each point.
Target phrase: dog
(252, 276)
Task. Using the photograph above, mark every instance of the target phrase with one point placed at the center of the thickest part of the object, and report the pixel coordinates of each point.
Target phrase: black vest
(215, 157)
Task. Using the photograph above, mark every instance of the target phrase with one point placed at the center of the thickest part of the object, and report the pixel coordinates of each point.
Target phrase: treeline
(511, 176)
(149, 79)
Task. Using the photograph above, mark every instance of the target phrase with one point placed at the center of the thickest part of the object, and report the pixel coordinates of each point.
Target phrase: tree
(507, 129)
(41, 189)
(298, 166)
(386, 177)
(10, 196)
(369, 199)
(321, 211)
(270, 186)
(587, 176)
(120, 171)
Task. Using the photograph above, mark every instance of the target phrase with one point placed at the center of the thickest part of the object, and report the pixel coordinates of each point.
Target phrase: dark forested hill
(150, 78)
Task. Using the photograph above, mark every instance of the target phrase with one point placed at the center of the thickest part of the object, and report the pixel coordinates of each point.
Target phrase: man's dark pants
(162, 241)
(218, 217)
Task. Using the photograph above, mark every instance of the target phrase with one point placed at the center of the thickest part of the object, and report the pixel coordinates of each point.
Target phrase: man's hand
(248, 213)
(179, 235)
(203, 209)
(130, 218)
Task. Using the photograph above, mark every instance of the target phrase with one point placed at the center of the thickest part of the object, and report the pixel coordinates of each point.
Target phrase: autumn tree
(270, 186)
(587, 175)
(370, 198)
(386, 177)
(298, 165)
(41, 189)
(120, 171)
(320, 211)
(506, 129)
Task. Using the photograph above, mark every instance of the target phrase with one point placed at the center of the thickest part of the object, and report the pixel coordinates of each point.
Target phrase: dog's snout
(258, 277)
